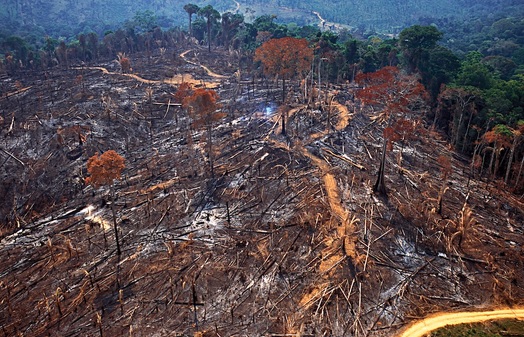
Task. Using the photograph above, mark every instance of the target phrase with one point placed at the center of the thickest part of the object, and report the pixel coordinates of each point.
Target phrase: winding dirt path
(330, 185)
(343, 115)
(237, 6)
(323, 24)
(425, 326)
(177, 79)
(347, 229)
(208, 71)
(341, 242)
(329, 180)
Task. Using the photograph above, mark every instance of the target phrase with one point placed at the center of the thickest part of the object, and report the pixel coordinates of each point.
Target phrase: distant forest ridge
(67, 18)
(394, 15)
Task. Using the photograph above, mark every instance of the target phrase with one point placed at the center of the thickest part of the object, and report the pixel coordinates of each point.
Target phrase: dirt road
(177, 79)
(208, 71)
(323, 24)
(431, 323)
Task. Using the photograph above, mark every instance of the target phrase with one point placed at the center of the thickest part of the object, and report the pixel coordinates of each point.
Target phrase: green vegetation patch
(502, 328)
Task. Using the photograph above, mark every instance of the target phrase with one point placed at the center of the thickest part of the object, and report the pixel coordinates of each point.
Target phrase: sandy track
(175, 80)
(431, 323)
(329, 181)
(208, 71)
(323, 23)
(347, 228)
(343, 116)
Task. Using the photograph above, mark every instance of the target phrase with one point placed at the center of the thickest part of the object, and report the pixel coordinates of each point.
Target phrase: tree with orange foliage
(287, 58)
(103, 170)
(125, 63)
(394, 94)
(203, 107)
(184, 90)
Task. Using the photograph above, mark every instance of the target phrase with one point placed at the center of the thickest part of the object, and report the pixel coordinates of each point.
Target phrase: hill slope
(394, 15)
(286, 238)
(69, 18)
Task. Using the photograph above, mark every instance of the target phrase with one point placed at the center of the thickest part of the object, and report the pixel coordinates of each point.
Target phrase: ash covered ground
(285, 237)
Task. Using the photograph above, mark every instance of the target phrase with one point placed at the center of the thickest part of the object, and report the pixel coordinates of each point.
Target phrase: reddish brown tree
(204, 109)
(394, 95)
(103, 170)
(184, 90)
(391, 91)
(125, 63)
(287, 58)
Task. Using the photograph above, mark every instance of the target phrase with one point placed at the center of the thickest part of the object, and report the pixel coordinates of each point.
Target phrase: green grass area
(503, 328)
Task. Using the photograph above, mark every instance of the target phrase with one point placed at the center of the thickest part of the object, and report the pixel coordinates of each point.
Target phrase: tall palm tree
(211, 15)
(191, 9)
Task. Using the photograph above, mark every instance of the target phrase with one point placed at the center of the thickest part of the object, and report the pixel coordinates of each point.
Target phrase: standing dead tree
(203, 108)
(394, 94)
(103, 170)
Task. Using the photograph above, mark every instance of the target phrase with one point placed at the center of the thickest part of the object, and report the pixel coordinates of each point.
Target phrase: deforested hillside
(241, 176)
(310, 217)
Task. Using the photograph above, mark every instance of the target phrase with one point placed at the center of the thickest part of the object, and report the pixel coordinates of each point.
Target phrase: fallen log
(344, 158)
(14, 93)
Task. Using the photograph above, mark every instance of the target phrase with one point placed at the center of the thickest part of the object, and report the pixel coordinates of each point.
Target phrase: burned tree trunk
(380, 185)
